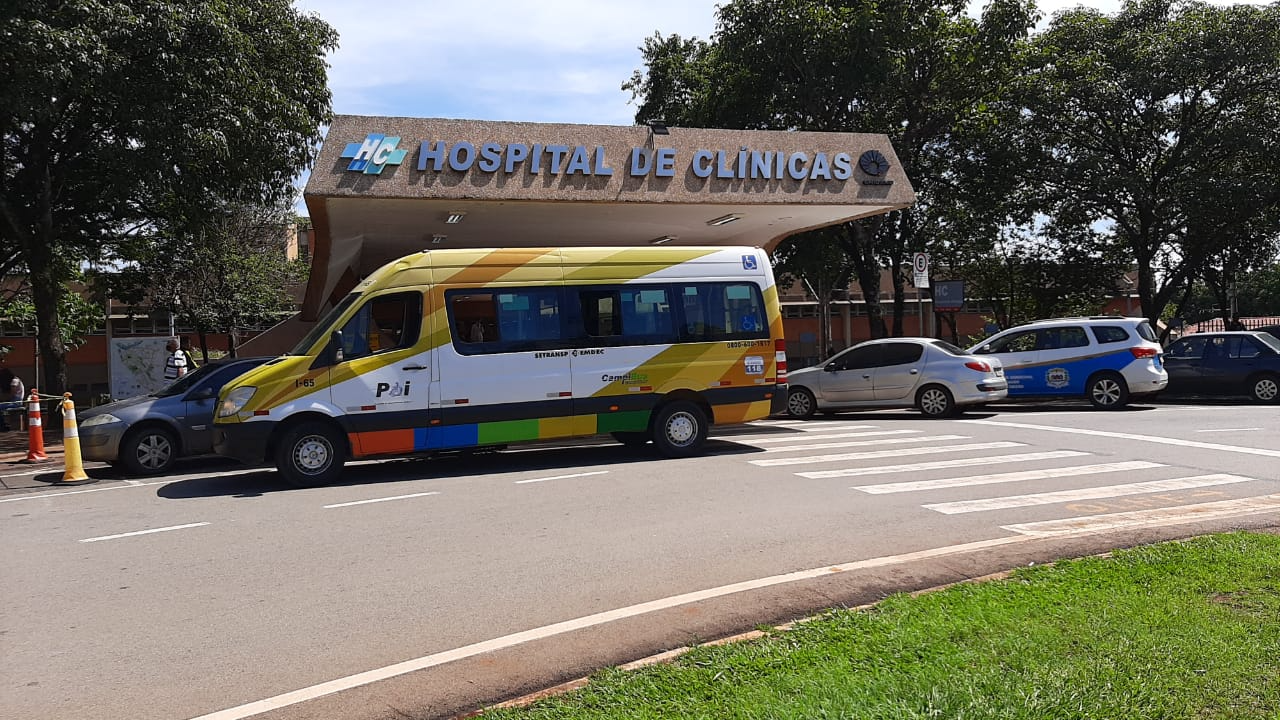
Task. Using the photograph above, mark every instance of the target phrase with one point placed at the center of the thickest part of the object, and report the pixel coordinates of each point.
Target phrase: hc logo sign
(375, 153)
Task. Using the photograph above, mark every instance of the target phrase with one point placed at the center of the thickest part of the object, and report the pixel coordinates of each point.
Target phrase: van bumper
(246, 442)
(778, 404)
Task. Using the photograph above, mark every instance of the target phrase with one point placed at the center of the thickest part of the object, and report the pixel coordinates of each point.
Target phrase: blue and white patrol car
(1107, 359)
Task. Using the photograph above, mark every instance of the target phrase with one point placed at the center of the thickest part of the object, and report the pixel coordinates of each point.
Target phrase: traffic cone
(74, 474)
(35, 431)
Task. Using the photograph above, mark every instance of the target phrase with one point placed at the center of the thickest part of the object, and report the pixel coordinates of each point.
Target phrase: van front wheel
(680, 429)
(311, 454)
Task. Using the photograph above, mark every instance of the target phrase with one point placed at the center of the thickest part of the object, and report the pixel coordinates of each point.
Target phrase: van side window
(1110, 333)
(507, 320)
(626, 316)
(386, 322)
(1024, 341)
(721, 311)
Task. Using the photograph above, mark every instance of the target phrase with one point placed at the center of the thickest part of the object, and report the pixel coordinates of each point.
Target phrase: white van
(454, 349)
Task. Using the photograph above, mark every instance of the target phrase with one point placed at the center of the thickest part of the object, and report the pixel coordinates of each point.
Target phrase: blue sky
(513, 60)
(509, 60)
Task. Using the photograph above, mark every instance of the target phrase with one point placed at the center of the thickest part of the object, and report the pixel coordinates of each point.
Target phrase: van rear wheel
(680, 429)
(311, 454)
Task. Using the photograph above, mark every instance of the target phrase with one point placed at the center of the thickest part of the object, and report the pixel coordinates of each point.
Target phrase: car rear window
(1146, 333)
(949, 348)
(1110, 333)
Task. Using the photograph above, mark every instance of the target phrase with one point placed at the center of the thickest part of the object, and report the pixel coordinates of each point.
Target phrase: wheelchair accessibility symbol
(748, 262)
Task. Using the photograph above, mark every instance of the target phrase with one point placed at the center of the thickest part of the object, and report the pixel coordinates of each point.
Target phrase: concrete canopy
(384, 187)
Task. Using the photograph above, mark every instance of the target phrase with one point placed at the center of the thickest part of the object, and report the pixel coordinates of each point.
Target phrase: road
(426, 587)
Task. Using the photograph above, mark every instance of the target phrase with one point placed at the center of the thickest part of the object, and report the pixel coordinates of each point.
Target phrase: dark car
(146, 434)
(1225, 363)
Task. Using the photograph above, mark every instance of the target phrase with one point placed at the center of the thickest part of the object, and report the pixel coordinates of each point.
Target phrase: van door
(381, 384)
(1059, 368)
(506, 375)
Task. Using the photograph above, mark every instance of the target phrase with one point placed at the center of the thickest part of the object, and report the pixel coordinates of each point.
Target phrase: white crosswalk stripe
(867, 443)
(1093, 493)
(1180, 514)
(1010, 477)
(809, 438)
(786, 440)
(872, 455)
(941, 464)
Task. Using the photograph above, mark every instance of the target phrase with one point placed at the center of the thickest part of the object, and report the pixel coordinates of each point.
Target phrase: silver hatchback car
(933, 375)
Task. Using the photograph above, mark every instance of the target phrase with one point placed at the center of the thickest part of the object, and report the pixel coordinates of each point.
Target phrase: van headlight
(235, 400)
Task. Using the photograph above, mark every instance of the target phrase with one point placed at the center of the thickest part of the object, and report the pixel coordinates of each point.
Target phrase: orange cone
(35, 431)
(74, 474)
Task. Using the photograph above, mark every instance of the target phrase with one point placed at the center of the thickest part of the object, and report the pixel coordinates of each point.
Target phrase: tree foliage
(227, 271)
(1157, 124)
(918, 72)
(114, 115)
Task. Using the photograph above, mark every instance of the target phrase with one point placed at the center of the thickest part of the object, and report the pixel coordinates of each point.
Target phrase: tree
(112, 114)
(916, 72)
(1155, 125)
(219, 275)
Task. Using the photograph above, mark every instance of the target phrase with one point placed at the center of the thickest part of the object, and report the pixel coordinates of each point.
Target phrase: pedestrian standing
(184, 344)
(175, 361)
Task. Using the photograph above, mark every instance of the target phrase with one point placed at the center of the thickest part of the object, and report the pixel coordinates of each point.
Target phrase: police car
(1109, 360)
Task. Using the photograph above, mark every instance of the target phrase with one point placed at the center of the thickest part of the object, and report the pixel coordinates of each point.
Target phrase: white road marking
(942, 464)
(756, 438)
(872, 455)
(1259, 505)
(562, 477)
(1131, 436)
(378, 500)
(886, 488)
(1180, 515)
(867, 443)
(1230, 430)
(1093, 493)
(144, 532)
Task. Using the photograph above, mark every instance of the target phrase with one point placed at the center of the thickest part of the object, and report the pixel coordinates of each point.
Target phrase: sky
(508, 60)
(556, 61)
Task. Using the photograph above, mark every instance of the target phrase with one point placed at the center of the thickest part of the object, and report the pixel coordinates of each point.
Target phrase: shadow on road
(531, 458)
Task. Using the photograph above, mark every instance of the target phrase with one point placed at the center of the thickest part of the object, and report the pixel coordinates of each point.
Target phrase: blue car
(146, 434)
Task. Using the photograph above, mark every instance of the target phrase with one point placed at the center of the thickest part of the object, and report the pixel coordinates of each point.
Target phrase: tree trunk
(47, 287)
(862, 251)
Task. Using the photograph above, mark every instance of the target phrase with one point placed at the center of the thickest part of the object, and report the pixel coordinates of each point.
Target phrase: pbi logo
(748, 262)
(393, 390)
(375, 153)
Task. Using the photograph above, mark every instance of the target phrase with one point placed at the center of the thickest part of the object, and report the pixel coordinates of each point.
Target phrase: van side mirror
(335, 346)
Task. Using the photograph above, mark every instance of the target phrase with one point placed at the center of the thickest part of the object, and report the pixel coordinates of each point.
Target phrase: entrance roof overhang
(589, 186)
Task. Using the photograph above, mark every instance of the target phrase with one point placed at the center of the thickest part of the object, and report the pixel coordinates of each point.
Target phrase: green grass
(1176, 630)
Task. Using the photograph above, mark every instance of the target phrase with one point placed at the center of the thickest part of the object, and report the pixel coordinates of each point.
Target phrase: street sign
(948, 295)
(920, 264)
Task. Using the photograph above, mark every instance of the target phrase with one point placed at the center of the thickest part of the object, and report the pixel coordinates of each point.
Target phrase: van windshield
(324, 325)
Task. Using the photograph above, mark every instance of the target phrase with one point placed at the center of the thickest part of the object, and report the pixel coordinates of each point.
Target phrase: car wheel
(1108, 391)
(311, 454)
(801, 403)
(1265, 388)
(148, 450)
(936, 401)
(680, 429)
(631, 439)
